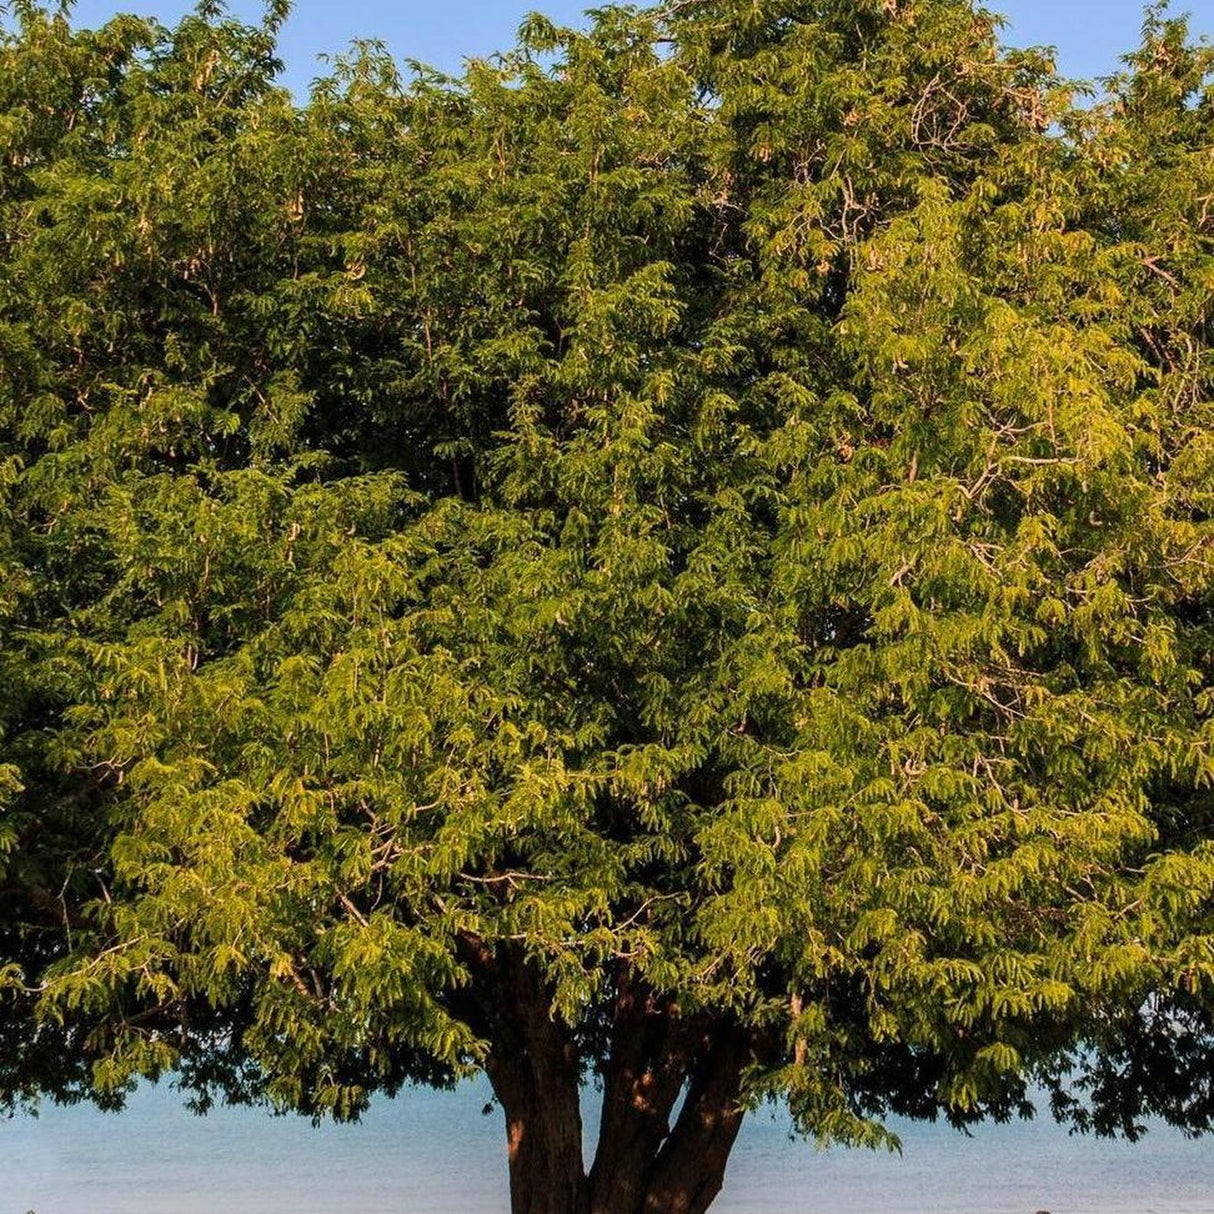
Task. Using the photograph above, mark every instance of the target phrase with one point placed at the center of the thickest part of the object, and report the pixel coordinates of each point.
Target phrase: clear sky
(1089, 34)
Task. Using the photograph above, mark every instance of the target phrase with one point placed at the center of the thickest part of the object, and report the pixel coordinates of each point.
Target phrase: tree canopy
(682, 555)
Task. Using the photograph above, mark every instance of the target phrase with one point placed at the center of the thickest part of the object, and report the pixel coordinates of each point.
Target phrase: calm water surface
(434, 1153)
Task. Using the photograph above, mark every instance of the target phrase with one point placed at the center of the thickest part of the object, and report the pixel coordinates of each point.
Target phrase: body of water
(435, 1153)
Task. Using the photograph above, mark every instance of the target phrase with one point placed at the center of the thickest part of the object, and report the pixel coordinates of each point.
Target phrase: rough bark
(642, 1165)
(535, 1071)
(690, 1166)
(543, 1132)
(651, 1050)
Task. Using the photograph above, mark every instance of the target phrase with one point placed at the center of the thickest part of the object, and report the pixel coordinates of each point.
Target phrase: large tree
(682, 557)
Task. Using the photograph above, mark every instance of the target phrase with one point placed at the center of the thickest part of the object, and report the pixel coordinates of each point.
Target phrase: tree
(681, 557)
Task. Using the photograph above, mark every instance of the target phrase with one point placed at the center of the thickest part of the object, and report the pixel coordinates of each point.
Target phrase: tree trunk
(543, 1136)
(535, 1071)
(651, 1051)
(690, 1166)
(642, 1165)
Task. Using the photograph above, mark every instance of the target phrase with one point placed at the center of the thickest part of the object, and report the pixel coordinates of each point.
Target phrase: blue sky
(1089, 34)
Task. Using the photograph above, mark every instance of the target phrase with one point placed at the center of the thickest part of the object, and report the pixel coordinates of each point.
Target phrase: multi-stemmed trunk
(648, 1159)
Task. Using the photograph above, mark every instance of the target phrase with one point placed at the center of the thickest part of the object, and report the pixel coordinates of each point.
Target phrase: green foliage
(723, 498)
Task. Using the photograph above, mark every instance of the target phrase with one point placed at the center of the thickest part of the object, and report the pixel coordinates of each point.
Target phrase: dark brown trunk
(543, 1136)
(535, 1071)
(651, 1049)
(690, 1167)
(642, 1165)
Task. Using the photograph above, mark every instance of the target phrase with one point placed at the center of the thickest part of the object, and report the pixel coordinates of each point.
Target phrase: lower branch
(651, 1051)
(690, 1167)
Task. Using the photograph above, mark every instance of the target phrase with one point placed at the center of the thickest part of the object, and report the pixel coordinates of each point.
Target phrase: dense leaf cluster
(719, 503)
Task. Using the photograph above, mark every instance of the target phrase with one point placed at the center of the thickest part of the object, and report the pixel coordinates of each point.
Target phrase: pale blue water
(434, 1153)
